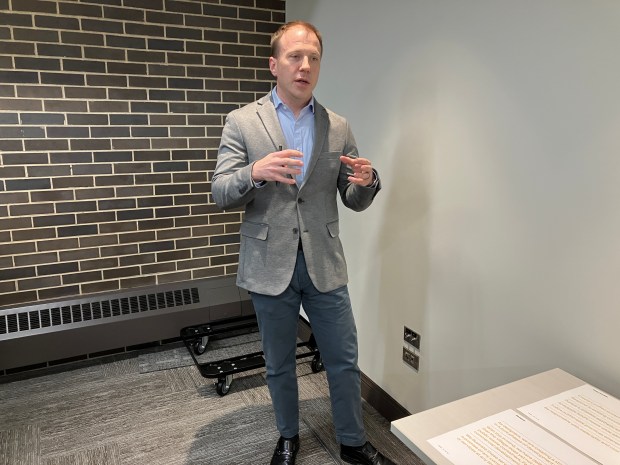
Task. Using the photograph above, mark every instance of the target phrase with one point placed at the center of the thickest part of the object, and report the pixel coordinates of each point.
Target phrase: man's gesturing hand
(362, 170)
(279, 166)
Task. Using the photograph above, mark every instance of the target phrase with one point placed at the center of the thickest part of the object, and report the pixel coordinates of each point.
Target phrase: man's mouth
(302, 81)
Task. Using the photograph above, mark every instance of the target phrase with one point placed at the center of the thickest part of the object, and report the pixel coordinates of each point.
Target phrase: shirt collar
(277, 101)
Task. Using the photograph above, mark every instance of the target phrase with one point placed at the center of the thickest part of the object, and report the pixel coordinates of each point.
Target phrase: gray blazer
(277, 216)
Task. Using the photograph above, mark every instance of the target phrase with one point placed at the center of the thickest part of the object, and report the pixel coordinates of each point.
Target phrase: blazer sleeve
(232, 184)
(355, 197)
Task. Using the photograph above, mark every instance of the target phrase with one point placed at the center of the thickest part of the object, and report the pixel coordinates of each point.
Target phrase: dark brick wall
(110, 118)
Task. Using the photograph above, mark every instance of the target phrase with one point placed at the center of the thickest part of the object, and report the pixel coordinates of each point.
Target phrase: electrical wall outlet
(411, 337)
(411, 358)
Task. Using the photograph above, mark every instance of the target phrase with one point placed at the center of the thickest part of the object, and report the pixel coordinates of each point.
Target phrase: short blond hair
(275, 38)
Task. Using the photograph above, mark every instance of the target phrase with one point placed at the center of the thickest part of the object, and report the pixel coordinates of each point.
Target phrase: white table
(415, 430)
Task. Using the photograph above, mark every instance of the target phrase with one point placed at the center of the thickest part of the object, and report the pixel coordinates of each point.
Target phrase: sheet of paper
(585, 417)
(506, 438)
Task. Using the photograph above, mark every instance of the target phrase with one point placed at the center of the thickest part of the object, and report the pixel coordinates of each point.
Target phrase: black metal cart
(196, 339)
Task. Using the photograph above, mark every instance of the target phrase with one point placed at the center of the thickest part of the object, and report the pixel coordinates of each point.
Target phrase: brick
(202, 21)
(184, 58)
(103, 53)
(143, 236)
(166, 70)
(75, 207)
(102, 286)
(66, 132)
(143, 81)
(15, 19)
(86, 230)
(57, 244)
(109, 131)
(73, 181)
(146, 4)
(163, 18)
(146, 57)
(203, 47)
(110, 105)
(124, 14)
(125, 42)
(135, 214)
(96, 25)
(156, 224)
(95, 217)
(166, 44)
(158, 268)
(35, 35)
(119, 250)
(58, 291)
(84, 194)
(19, 77)
(183, 33)
(94, 144)
(80, 9)
(39, 233)
(149, 132)
(28, 184)
(126, 68)
(174, 277)
(85, 93)
(81, 38)
(220, 11)
(87, 66)
(84, 277)
(21, 132)
(19, 297)
(52, 195)
(65, 106)
(127, 94)
(31, 209)
(42, 118)
(62, 79)
(144, 29)
(53, 220)
(17, 273)
(16, 248)
(57, 268)
(56, 22)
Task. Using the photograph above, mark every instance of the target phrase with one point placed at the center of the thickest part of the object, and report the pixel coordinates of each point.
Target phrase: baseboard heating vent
(24, 321)
(59, 330)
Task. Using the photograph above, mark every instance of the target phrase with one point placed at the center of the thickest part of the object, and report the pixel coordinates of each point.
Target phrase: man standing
(285, 158)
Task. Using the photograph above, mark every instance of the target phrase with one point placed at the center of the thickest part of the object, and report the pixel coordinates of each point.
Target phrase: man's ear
(272, 66)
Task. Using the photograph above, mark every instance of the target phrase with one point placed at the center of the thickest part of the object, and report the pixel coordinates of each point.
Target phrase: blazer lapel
(321, 126)
(267, 114)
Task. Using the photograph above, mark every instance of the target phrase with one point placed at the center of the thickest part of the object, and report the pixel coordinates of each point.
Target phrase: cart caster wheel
(222, 387)
(317, 364)
(200, 346)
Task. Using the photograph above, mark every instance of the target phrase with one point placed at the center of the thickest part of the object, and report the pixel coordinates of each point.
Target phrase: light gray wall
(496, 128)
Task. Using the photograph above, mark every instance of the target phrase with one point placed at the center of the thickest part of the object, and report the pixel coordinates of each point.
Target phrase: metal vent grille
(60, 315)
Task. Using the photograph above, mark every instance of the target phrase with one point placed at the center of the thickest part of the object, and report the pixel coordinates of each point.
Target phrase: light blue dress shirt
(299, 133)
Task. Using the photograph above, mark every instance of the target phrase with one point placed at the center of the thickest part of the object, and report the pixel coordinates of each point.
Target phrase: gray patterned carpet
(154, 408)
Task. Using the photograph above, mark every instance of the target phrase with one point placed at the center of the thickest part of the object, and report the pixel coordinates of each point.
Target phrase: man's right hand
(280, 166)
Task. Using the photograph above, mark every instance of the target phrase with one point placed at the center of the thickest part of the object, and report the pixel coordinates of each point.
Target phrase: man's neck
(295, 108)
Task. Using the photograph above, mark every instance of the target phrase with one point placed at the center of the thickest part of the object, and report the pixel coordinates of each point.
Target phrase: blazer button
(300, 200)
(295, 230)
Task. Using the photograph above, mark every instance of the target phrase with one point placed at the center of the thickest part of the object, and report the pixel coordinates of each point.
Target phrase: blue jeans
(333, 327)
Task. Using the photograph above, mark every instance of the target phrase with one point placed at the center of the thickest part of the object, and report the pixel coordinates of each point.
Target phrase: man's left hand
(362, 170)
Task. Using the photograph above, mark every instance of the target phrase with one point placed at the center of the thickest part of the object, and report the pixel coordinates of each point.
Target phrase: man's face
(297, 66)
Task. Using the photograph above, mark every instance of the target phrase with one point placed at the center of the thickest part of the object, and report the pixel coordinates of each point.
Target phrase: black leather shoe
(286, 451)
(363, 455)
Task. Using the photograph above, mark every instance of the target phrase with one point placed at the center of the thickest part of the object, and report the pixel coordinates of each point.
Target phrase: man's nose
(305, 63)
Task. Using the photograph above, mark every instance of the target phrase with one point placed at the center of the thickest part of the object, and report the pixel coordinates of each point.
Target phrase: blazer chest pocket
(255, 230)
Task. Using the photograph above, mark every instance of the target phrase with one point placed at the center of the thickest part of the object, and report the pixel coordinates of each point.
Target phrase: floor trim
(382, 402)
